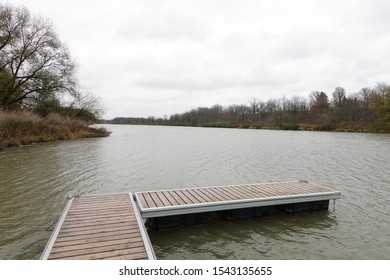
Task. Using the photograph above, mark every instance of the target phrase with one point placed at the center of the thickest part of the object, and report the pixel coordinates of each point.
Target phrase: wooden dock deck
(219, 198)
(100, 227)
(112, 226)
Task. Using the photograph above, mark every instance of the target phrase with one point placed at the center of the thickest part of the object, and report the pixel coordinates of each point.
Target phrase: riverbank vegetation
(39, 91)
(24, 128)
(365, 111)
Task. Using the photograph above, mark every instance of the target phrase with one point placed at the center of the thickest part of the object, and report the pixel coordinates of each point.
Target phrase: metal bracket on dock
(70, 196)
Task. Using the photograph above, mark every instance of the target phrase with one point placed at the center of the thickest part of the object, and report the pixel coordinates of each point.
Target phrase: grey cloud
(154, 25)
(161, 57)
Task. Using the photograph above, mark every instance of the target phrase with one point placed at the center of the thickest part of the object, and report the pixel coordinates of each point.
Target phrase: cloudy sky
(159, 57)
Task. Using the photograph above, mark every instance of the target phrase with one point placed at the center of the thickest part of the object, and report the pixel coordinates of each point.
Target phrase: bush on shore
(23, 128)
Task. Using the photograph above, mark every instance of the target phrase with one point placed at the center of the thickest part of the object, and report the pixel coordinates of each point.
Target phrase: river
(36, 180)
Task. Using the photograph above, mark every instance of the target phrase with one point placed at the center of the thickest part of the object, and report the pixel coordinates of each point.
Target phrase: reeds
(23, 128)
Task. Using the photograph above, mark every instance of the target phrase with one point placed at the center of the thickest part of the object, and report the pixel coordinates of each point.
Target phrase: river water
(36, 180)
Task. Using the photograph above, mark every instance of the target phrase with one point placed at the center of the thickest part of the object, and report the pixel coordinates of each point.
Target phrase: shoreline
(285, 127)
(18, 129)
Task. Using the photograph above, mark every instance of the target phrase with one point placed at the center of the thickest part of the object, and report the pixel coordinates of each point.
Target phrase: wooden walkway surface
(112, 227)
(100, 227)
(196, 200)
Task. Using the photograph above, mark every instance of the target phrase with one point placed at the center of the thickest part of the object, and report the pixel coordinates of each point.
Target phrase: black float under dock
(113, 226)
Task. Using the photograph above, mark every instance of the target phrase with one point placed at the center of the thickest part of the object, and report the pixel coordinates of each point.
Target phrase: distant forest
(367, 111)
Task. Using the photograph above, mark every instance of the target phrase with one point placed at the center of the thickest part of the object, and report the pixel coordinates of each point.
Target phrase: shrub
(290, 126)
(23, 128)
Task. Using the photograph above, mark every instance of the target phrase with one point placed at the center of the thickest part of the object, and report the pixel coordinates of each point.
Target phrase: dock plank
(134, 253)
(105, 220)
(177, 197)
(195, 197)
(149, 200)
(87, 249)
(101, 238)
(101, 235)
(170, 197)
(217, 195)
(205, 196)
(163, 199)
(157, 199)
(182, 194)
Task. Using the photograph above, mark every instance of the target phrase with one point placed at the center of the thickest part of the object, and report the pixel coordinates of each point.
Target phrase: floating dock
(100, 227)
(211, 199)
(113, 226)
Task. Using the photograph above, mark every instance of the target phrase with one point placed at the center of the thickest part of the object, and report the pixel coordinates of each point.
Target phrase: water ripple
(35, 181)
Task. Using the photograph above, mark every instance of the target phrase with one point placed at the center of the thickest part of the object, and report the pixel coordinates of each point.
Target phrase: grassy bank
(23, 128)
(283, 126)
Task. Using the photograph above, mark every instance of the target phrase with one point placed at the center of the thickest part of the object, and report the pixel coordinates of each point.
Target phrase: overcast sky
(159, 57)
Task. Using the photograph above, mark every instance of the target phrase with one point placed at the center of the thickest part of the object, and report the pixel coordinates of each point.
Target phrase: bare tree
(339, 104)
(338, 97)
(296, 108)
(34, 63)
(365, 95)
(254, 104)
(319, 107)
(319, 101)
(36, 69)
(86, 106)
(381, 106)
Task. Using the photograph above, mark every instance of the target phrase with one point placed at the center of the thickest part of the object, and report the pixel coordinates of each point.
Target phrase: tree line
(37, 72)
(366, 110)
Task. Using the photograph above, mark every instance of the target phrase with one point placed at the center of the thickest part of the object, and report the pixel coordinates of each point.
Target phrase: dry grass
(23, 128)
